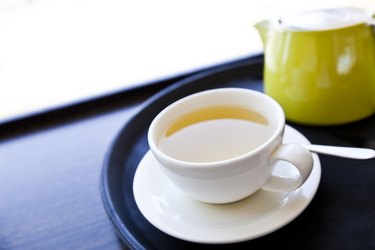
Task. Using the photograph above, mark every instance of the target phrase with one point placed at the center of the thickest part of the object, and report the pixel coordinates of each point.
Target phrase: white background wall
(58, 51)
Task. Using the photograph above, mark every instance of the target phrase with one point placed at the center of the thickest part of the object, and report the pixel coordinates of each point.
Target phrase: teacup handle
(299, 157)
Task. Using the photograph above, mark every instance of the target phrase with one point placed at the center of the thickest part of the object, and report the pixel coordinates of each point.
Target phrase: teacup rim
(209, 165)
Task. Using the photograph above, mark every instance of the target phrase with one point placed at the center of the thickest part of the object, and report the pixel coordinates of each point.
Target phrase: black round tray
(130, 145)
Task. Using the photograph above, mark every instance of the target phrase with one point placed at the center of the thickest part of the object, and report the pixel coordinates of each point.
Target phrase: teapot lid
(324, 19)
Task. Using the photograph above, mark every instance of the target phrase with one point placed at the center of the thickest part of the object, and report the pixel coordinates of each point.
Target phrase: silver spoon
(346, 152)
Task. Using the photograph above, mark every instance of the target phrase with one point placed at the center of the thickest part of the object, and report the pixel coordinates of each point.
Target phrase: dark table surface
(50, 167)
(49, 185)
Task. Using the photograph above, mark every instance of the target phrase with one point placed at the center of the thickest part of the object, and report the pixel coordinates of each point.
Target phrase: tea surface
(215, 134)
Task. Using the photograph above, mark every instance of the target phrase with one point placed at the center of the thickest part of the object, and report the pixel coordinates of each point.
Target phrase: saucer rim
(272, 228)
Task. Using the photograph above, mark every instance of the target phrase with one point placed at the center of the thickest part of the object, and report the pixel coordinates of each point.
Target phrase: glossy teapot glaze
(320, 77)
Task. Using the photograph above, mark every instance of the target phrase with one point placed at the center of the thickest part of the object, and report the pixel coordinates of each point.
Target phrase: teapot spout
(263, 28)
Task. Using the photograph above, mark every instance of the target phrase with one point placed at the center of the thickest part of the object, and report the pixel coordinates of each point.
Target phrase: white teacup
(220, 146)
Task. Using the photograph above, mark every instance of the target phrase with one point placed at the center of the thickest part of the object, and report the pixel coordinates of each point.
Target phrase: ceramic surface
(169, 210)
(320, 77)
(234, 178)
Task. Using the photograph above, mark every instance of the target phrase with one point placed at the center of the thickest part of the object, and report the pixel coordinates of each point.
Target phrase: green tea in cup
(215, 133)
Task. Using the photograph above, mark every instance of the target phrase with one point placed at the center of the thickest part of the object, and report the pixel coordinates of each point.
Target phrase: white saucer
(169, 210)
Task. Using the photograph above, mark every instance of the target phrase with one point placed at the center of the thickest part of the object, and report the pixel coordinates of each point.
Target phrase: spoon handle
(346, 152)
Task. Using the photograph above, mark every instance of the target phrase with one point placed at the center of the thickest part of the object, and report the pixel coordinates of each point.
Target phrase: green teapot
(320, 65)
